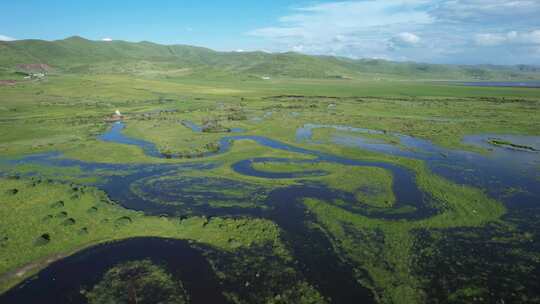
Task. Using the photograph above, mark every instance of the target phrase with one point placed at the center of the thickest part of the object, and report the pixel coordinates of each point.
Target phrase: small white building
(117, 116)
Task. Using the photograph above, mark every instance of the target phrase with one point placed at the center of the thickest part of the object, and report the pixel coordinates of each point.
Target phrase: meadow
(51, 211)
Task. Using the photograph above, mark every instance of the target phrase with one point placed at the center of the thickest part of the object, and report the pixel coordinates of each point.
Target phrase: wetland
(286, 191)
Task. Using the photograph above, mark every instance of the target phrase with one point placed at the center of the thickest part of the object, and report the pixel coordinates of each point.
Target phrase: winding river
(333, 277)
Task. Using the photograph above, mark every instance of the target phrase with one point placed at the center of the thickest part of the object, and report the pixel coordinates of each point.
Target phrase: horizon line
(109, 40)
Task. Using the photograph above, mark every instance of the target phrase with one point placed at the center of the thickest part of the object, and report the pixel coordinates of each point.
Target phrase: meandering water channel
(334, 278)
(499, 171)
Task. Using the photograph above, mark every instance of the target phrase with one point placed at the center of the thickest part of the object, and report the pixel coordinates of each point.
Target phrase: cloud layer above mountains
(445, 31)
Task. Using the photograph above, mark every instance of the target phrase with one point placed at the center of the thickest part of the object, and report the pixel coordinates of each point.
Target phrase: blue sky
(439, 31)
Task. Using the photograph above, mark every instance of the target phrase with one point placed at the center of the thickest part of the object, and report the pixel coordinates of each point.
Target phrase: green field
(49, 212)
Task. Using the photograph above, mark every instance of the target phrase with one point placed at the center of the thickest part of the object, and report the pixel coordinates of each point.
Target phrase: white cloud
(531, 37)
(456, 31)
(512, 37)
(298, 48)
(490, 39)
(341, 18)
(6, 38)
(407, 38)
(350, 28)
(487, 10)
(107, 39)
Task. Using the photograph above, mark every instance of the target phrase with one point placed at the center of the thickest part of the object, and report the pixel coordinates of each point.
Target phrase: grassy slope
(76, 54)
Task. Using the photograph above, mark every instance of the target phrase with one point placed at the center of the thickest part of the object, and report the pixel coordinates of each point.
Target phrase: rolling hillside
(79, 55)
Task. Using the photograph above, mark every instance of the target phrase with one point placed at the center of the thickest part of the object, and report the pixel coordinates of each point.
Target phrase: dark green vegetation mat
(138, 282)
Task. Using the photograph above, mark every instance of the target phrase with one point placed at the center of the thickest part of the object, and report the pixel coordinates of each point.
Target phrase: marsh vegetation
(230, 189)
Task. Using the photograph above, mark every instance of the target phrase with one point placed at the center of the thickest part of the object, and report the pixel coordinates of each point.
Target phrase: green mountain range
(79, 55)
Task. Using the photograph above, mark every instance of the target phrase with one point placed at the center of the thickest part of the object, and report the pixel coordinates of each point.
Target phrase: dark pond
(62, 281)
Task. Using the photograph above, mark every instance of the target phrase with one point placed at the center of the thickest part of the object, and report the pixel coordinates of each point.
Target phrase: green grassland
(47, 206)
(67, 111)
(158, 87)
(75, 217)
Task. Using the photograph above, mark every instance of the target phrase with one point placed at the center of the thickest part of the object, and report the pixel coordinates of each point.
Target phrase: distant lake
(513, 84)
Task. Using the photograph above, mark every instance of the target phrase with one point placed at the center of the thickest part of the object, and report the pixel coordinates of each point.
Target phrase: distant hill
(79, 55)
